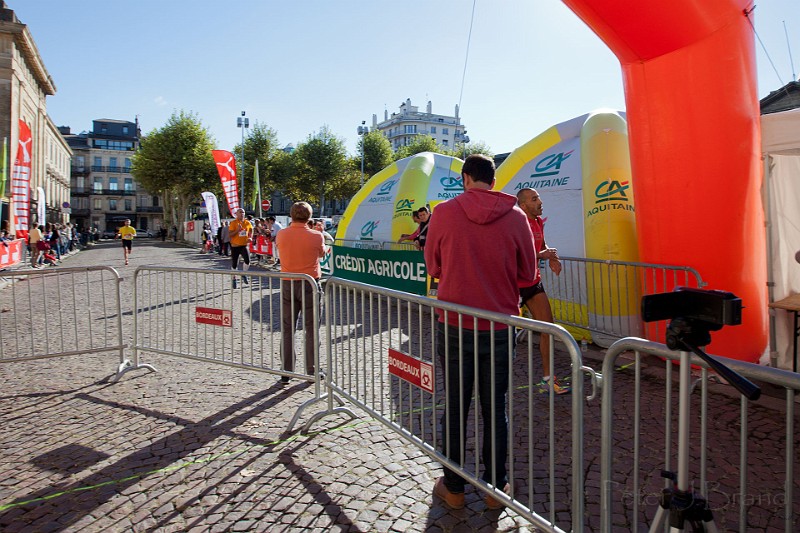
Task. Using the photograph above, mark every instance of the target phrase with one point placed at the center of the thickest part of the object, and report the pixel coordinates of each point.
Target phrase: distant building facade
(401, 127)
(784, 99)
(104, 192)
(24, 86)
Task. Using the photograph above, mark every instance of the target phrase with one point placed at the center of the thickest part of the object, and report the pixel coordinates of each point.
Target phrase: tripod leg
(659, 519)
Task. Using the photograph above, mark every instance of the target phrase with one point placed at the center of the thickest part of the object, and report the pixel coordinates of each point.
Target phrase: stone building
(24, 86)
(401, 128)
(104, 192)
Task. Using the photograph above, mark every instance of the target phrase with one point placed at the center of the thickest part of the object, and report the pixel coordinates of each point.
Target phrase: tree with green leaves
(472, 148)
(175, 162)
(319, 162)
(377, 153)
(421, 143)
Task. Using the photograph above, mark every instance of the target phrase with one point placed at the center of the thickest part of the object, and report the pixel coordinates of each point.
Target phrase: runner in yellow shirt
(126, 233)
(241, 231)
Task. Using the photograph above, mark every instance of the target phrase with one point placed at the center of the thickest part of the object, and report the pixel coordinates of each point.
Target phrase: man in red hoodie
(481, 248)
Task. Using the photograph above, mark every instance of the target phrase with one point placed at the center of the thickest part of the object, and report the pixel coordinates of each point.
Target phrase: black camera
(712, 307)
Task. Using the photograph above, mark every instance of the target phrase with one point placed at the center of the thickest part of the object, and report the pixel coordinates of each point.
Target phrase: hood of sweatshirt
(485, 206)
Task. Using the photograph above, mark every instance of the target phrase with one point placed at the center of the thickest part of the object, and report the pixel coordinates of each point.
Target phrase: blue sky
(299, 65)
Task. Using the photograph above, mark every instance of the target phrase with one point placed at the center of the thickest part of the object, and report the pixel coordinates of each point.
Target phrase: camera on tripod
(693, 313)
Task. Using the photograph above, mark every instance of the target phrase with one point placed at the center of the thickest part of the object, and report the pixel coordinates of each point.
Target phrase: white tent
(780, 144)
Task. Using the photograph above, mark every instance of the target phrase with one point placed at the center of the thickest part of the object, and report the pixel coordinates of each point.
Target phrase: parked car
(144, 233)
(108, 234)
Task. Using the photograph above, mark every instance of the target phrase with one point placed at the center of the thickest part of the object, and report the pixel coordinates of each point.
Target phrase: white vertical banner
(41, 206)
(212, 206)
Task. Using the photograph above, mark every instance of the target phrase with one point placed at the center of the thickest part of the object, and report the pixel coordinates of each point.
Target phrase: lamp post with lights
(244, 123)
(362, 130)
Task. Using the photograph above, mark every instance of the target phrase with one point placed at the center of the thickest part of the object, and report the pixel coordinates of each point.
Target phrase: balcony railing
(149, 209)
(118, 170)
(115, 192)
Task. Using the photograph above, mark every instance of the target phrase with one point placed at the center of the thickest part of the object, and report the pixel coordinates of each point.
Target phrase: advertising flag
(3, 166)
(20, 181)
(41, 206)
(212, 206)
(226, 166)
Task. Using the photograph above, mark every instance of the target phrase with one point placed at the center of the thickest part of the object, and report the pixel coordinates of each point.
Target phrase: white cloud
(160, 101)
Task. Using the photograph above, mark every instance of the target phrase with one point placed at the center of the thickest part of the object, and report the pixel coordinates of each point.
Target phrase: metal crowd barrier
(737, 479)
(375, 336)
(60, 312)
(223, 317)
(603, 296)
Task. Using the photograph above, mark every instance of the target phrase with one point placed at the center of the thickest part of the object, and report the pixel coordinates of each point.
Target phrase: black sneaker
(245, 280)
(234, 283)
(284, 380)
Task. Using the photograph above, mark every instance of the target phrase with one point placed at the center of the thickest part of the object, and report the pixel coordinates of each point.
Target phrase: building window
(124, 130)
(112, 205)
(444, 142)
(128, 205)
(155, 201)
(112, 184)
(411, 128)
(128, 184)
(112, 162)
(98, 204)
(445, 131)
(79, 162)
(98, 185)
(127, 164)
(433, 129)
(79, 183)
(98, 161)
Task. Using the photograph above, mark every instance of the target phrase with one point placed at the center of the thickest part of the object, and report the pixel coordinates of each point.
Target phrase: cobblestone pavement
(196, 447)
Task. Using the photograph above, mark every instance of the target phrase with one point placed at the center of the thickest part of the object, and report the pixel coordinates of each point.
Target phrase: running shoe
(558, 387)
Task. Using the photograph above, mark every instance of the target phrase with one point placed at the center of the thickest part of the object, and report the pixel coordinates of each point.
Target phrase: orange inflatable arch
(693, 119)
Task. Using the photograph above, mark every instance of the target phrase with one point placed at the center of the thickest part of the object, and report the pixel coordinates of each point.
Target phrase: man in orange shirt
(300, 249)
(241, 233)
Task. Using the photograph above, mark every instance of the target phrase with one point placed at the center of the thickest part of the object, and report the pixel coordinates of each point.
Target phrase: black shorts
(526, 293)
(236, 252)
(126, 243)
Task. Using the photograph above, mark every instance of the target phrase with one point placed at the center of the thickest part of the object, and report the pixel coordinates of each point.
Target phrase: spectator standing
(55, 240)
(34, 236)
(274, 228)
(481, 249)
(226, 239)
(241, 234)
(301, 249)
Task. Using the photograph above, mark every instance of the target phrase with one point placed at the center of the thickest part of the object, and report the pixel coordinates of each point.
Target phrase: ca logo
(551, 165)
(612, 190)
(368, 229)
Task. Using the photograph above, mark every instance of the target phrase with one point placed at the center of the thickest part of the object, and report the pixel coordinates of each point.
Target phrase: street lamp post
(464, 140)
(362, 130)
(244, 123)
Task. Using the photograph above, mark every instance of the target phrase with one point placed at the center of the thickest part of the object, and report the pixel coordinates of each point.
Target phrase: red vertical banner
(226, 166)
(21, 181)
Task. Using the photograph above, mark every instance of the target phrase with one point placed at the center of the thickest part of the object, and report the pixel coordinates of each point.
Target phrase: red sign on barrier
(412, 370)
(214, 317)
(11, 252)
